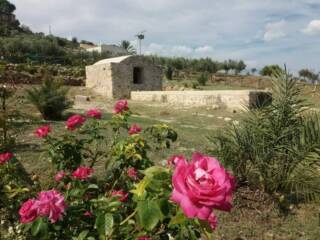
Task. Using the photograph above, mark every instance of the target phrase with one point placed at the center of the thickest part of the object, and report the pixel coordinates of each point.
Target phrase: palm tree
(128, 47)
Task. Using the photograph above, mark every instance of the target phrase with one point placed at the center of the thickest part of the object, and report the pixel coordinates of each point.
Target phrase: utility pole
(140, 37)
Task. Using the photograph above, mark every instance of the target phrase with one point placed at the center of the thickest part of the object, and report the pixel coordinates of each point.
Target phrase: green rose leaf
(82, 235)
(104, 225)
(39, 226)
(149, 214)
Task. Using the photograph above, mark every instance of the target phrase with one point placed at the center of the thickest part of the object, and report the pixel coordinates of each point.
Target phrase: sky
(260, 32)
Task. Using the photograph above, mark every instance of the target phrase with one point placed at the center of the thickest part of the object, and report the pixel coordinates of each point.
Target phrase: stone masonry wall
(99, 78)
(115, 79)
(122, 74)
(230, 99)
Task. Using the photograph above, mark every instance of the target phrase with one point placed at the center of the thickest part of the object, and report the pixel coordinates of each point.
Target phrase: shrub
(50, 99)
(195, 85)
(203, 79)
(169, 72)
(136, 199)
(276, 148)
(270, 69)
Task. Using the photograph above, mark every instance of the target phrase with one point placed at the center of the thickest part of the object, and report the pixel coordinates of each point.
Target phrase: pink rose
(94, 113)
(43, 131)
(88, 214)
(201, 186)
(213, 221)
(121, 106)
(173, 160)
(82, 173)
(51, 204)
(5, 157)
(28, 211)
(123, 196)
(75, 121)
(134, 129)
(132, 173)
(58, 177)
(144, 238)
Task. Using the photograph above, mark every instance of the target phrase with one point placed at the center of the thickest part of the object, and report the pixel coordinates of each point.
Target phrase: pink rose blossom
(123, 196)
(88, 214)
(43, 131)
(82, 173)
(144, 238)
(134, 129)
(94, 113)
(28, 211)
(201, 186)
(58, 177)
(132, 173)
(173, 160)
(75, 121)
(121, 106)
(213, 221)
(5, 157)
(51, 204)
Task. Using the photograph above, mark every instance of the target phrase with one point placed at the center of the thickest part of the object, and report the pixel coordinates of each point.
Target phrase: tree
(276, 148)
(8, 23)
(240, 66)
(203, 79)
(226, 66)
(7, 7)
(270, 69)
(253, 71)
(169, 72)
(50, 99)
(128, 47)
(307, 74)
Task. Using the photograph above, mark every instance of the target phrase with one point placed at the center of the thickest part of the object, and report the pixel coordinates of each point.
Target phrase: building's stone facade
(117, 77)
(232, 99)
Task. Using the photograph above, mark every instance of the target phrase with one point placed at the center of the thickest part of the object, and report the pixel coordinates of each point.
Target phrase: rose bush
(135, 199)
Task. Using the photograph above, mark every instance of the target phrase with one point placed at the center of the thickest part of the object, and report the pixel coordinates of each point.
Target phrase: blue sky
(258, 31)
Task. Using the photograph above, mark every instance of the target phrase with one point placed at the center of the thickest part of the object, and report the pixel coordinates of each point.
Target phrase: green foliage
(276, 148)
(270, 69)
(50, 99)
(203, 79)
(168, 72)
(128, 47)
(8, 24)
(198, 65)
(309, 75)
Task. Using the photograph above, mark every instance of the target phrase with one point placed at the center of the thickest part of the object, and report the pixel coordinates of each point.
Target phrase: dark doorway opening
(137, 75)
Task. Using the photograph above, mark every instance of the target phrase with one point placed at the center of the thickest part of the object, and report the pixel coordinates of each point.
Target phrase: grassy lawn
(254, 215)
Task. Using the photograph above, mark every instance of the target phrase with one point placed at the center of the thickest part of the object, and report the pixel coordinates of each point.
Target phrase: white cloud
(178, 50)
(204, 50)
(313, 28)
(275, 30)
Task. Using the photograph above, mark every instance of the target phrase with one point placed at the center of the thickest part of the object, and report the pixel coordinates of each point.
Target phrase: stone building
(117, 77)
(114, 50)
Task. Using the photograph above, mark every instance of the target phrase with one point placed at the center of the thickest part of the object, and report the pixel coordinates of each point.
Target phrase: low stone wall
(234, 99)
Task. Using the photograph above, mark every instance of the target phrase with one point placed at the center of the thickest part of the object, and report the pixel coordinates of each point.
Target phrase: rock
(235, 122)
(82, 98)
(227, 119)
(268, 236)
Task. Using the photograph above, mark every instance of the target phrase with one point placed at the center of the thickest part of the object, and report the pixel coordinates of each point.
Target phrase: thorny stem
(128, 218)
